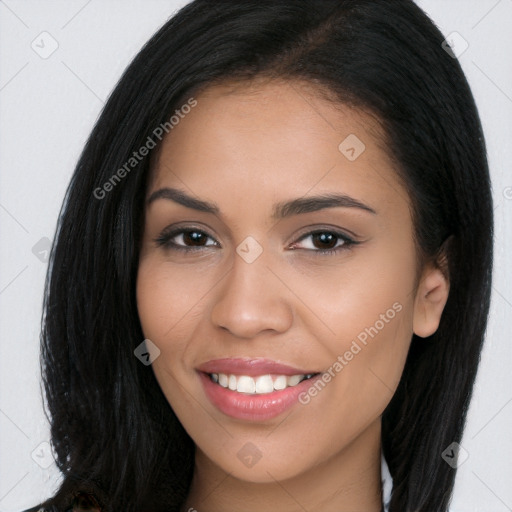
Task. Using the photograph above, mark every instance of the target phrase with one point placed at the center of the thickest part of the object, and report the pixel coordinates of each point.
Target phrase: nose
(251, 300)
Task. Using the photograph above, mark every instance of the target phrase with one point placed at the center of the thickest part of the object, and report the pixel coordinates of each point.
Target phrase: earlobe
(430, 301)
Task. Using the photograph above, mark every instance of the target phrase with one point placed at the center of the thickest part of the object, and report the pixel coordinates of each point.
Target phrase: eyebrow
(280, 211)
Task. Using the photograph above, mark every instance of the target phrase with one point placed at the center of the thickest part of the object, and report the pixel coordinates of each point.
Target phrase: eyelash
(164, 240)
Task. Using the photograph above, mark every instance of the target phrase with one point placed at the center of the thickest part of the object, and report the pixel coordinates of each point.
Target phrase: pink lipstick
(253, 389)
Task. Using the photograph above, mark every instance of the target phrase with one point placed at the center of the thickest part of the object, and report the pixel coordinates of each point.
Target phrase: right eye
(183, 239)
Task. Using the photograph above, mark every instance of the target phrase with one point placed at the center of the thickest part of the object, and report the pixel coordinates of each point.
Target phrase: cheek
(163, 302)
(168, 301)
(366, 359)
(366, 317)
(350, 296)
(168, 304)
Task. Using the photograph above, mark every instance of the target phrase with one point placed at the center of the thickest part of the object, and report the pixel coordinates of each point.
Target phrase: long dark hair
(113, 432)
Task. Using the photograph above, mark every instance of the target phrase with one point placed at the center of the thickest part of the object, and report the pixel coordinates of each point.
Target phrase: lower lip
(253, 407)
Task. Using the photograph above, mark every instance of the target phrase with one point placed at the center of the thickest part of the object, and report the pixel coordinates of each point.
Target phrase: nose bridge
(251, 299)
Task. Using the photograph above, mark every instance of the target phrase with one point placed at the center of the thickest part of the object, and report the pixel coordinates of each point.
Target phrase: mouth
(258, 385)
(254, 389)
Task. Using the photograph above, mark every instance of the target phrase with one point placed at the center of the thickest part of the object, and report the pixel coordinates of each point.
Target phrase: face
(278, 244)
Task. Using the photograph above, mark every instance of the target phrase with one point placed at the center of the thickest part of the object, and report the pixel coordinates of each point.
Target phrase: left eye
(324, 241)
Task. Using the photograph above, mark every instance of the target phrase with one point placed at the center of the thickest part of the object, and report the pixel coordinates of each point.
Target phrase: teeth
(223, 379)
(245, 384)
(280, 382)
(257, 385)
(293, 380)
(264, 384)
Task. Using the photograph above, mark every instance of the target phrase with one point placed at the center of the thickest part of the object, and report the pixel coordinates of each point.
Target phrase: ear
(430, 300)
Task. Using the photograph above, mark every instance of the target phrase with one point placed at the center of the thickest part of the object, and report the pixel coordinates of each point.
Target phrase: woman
(271, 276)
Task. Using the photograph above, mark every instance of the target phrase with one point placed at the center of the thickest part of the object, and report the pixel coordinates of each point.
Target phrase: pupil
(193, 236)
(325, 238)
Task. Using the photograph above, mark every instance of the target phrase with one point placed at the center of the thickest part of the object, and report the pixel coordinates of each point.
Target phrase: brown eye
(324, 242)
(184, 239)
(194, 238)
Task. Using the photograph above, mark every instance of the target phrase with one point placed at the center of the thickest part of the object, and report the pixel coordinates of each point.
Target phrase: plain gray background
(48, 105)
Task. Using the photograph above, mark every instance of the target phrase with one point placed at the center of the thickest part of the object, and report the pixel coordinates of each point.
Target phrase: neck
(346, 481)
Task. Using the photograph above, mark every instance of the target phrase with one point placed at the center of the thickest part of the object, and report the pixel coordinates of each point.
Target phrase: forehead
(275, 139)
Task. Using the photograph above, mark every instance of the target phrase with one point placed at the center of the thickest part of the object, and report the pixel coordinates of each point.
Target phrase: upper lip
(250, 367)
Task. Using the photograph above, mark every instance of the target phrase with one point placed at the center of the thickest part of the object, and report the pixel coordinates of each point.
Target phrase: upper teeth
(261, 384)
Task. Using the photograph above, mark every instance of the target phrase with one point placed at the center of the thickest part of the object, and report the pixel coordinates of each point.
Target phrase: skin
(246, 148)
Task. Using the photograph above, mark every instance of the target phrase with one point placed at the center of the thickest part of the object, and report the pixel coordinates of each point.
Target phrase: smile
(262, 384)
